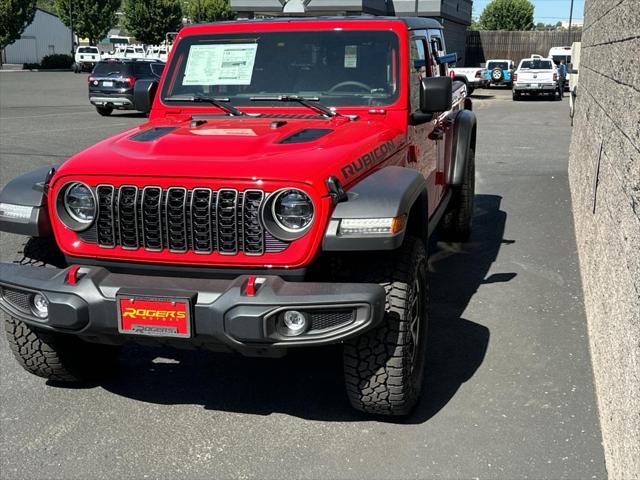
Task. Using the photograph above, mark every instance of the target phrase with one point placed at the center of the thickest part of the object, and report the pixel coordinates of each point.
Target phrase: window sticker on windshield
(229, 64)
(350, 56)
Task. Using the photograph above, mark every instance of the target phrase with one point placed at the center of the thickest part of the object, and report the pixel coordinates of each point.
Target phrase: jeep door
(424, 148)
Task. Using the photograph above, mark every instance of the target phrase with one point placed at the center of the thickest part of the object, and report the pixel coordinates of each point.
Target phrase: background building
(455, 15)
(604, 173)
(46, 35)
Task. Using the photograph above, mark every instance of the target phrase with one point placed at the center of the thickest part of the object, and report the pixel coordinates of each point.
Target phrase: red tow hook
(253, 285)
(72, 275)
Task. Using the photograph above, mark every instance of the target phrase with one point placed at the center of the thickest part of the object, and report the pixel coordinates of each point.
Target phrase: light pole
(570, 20)
(71, 24)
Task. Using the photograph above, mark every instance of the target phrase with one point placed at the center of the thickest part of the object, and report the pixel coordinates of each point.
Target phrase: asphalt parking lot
(509, 389)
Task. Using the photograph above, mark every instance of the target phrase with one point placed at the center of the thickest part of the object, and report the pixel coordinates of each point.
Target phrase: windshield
(87, 50)
(502, 65)
(337, 67)
(557, 58)
(536, 65)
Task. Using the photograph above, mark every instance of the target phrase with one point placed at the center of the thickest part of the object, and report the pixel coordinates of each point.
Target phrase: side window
(141, 68)
(157, 68)
(436, 48)
(418, 69)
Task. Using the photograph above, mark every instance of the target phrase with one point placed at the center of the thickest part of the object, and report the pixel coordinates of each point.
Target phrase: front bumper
(224, 315)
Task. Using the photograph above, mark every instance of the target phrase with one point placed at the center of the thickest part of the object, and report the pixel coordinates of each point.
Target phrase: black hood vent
(151, 134)
(306, 135)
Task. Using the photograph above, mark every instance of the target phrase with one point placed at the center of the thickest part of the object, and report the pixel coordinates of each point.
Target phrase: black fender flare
(388, 193)
(28, 190)
(464, 137)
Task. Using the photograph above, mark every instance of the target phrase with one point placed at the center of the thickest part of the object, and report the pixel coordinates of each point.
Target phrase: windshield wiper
(218, 102)
(310, 102)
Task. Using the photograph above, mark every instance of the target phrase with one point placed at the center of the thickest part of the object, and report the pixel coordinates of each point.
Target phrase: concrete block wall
(604, 173)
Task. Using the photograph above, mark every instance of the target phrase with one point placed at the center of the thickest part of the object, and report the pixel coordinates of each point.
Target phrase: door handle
(436, 134)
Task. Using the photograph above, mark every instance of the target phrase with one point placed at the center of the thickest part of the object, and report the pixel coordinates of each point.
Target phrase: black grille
(227, 222)
(128, 216)
(199, 220)
(176, 217)
(17, 298)
(106, 233)
(151, 218)
(323, 319)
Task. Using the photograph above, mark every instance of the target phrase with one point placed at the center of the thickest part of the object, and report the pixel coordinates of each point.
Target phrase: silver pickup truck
(535, 75)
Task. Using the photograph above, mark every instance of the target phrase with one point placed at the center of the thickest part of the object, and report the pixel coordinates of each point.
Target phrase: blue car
(500, 72)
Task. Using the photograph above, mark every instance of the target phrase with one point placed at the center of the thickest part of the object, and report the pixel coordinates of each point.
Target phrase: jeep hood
(242, 148)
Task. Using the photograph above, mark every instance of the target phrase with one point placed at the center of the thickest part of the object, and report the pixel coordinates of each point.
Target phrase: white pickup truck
(86, 58)
(536, 75)
(472, 77)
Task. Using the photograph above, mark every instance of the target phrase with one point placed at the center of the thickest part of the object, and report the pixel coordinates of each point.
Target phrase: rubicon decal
(369, 159)
(154, 317)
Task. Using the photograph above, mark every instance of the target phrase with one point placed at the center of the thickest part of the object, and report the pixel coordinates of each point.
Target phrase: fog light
(294, 321)
(40, 305)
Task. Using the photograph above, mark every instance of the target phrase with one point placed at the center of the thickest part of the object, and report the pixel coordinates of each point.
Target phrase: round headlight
(80, 203)
(292, 210)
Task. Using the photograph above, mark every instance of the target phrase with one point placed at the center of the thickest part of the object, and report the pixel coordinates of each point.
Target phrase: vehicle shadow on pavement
(308, 383)
(538, 98)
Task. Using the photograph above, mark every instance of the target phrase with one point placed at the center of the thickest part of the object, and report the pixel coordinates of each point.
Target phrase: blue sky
(546, 11)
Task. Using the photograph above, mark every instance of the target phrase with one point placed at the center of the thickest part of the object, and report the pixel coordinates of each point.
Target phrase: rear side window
(536, 64)
(112, 69)
(157, 68)
(141, 68)
(502, 65)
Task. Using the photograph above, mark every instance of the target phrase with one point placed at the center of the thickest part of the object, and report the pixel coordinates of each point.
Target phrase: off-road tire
(104, 111)
(384, 368)
(457, 220)
(57, 356)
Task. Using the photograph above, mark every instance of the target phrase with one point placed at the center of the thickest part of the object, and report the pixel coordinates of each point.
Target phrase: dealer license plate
(107, 84)
(156, 317)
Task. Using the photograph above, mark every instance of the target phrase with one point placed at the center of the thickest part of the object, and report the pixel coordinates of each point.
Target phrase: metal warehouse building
(455, 15)
(45, 36)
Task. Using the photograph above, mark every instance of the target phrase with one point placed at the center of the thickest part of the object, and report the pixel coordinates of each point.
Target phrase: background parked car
(111, 84)
(86, 58)
(562, 53)
(534, 76)
(472, 77)
(500, 72)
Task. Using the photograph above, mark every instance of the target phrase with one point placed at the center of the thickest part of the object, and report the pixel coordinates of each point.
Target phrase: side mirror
(435, 94)
(144, 91)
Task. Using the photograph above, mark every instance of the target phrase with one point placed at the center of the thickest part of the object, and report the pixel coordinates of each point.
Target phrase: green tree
(208, 10)
(150, 20)
(507, 15)
(90, 19)
(15, 16)
(48, 5)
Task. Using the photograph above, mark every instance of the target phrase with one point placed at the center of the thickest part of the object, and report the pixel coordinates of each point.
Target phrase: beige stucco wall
(607, 218)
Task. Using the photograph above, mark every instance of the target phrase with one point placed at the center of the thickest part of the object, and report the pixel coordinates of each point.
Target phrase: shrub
(31, 66)
(57, 60)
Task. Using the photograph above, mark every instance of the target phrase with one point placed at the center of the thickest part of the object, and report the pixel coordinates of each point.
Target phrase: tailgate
(535, 76)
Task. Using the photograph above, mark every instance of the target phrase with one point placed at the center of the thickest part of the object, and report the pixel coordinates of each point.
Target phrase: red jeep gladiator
(281, 195)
